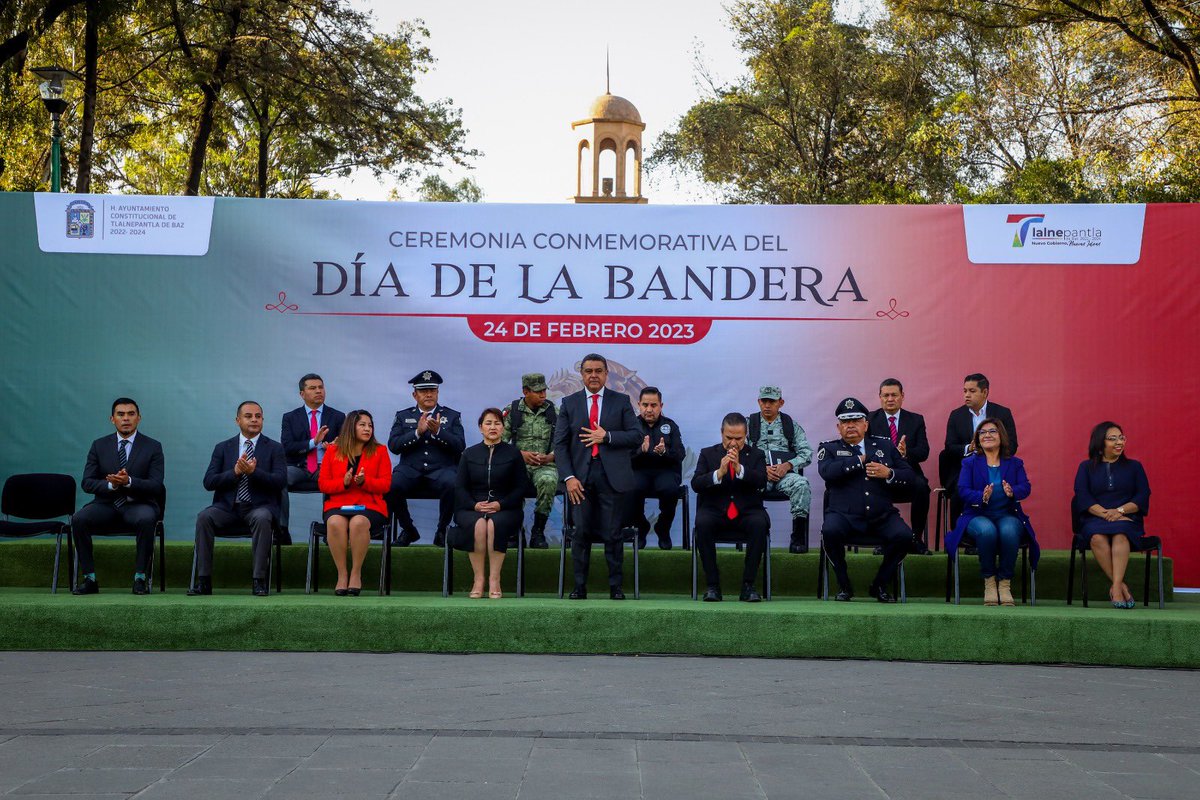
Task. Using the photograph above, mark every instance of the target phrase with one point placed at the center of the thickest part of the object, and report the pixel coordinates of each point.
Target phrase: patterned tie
(892, 430)
(122, 459)
(243, 490)
(594, 420)
(312, 434)
(732, 511)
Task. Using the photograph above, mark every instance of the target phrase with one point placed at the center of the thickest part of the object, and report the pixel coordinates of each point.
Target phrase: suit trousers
(299, 479)
(889, 530)
(214, 518)
(662, 484)
(96, 519)
(598, 518)
(752, 526)
(407, 481)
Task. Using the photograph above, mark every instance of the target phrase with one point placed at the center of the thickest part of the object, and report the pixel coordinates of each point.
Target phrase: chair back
(38, 495)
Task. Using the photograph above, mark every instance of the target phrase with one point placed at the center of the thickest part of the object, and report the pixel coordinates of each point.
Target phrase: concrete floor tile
(91, 781)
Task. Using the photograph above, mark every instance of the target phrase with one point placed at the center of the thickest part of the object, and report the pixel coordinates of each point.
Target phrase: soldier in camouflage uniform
(529, 424)
(788, 452)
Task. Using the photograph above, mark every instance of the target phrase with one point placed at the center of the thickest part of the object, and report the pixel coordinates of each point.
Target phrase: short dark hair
(124, 401)
(499, 414)
(593, 357)
(1096, 442)
(892, 382)
(312, 376)
(650, 390)
(979, 379)
(245, 403)
(1005, 446)
(734, 419)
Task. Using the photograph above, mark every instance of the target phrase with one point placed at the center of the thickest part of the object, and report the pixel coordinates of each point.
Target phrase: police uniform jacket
(848, 489)
(671, 459)
(432, 451)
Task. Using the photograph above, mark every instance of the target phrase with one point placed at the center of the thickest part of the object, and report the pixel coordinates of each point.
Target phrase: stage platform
(416, 618)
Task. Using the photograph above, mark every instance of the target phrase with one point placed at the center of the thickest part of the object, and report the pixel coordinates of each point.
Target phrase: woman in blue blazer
(992, 485)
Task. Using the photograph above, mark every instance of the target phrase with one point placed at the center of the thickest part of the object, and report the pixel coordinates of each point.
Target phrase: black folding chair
(47, 500)
(775, 496)
(941, 516)
(898, 586)
(729, 537)
(393, 529)
(1028, 573)
(685, 511)
(316, 538)
(160, 541)
(242, 531)
(628, 536)
(1081, 544)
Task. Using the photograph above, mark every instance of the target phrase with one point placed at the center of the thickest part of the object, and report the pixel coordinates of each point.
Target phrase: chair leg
(693, 549)
(308, 567)
(521, 564)
(1024, 574)
(903, 584)
(957, 586)
(1033, 587)
(162, 557)
(1161, 591)
(952, 572)
(767, 573)
(637, 573)
(1146, 583)
(1071, 576)
(192, 583)
(279, 567)
(1083, 577)
(57, 555)
(823, 574)
(687, 519)
(446, 568)
(562, 559)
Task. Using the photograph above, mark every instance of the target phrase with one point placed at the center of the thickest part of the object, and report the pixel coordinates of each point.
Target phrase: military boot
(537, 534)
(799, 542)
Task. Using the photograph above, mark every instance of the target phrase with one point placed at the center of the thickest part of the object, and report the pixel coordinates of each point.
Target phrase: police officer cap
(769, 393)
(426, 380)
(851, 408)
(534, 381)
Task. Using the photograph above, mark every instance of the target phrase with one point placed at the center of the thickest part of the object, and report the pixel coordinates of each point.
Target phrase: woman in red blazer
(355, 475)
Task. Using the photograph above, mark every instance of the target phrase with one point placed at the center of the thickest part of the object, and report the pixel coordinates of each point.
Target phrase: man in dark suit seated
(860, 472)
(960, 433)
(305, 432)
(729, 482)
(594, 436)
(246, 475)
(125, 472)
(429, 439)
(906, 430)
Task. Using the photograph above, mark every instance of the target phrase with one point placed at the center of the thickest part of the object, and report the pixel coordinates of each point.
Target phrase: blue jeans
(1001, 535)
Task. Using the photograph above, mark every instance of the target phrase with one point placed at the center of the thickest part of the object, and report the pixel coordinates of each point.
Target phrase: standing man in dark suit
(860, 472)
(429, 439)
(305, 432)
(657, 468)
(960, 433)
(246, 475)
(906, 430)
(125, 472)
(729, 482)
(594, 437)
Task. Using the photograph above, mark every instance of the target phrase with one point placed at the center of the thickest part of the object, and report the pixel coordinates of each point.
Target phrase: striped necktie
(122, 459)
(243, 490)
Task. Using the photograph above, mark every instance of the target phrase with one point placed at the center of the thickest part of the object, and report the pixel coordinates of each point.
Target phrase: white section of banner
(1054, 234)
(135, 225)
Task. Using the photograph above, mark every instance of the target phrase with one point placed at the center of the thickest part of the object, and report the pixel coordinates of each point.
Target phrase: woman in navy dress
(992, 485)
(1112, 496)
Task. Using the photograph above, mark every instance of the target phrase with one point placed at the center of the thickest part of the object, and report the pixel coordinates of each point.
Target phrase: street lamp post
(52, 89)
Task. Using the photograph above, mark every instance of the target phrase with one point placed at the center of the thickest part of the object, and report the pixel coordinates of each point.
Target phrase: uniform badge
(844, 453)
(821, 454)
(666, 429)
(848, 404)
(426, 375)
(879, 454)
(410, 422)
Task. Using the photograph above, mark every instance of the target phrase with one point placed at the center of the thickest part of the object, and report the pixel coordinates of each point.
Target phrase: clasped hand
(119, 479)
(487, 507)
(730, 463)
(245, 466)
(350, 477)
(877, 470)
(775, 472)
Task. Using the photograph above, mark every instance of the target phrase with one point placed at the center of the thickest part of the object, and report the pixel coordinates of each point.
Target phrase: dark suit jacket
(746, 492)
(266, 482)
(617, 418)
(294, 432)
(959, 433)
(144, 465)
(912, 427)
(506, 479)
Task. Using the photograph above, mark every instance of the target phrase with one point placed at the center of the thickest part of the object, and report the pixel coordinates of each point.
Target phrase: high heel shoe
(496, 595)
(341, 592)
(354, 591)
(476, 594)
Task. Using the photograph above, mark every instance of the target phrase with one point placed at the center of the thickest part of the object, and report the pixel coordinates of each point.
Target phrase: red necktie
(312, 434)
(732, 511)
(594, 421)
(892, 430)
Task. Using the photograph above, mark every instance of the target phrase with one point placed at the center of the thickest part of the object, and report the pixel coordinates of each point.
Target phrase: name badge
(410, 422)
(844, 453)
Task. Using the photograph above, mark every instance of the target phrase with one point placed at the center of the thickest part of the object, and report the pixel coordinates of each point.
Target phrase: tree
(435, 189)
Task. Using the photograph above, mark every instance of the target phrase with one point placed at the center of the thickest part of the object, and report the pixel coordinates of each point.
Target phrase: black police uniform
(858, 506)
(657, 475)
(428, 463)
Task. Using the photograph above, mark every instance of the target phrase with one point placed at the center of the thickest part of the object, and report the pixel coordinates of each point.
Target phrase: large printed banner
(1077, 314)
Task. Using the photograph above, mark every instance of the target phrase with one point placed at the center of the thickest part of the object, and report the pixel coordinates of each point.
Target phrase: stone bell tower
(612, 124)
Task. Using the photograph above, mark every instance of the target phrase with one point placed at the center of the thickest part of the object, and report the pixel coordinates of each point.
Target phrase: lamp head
(53, 87)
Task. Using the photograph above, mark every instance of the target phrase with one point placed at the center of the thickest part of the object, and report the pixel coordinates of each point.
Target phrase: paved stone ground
(428, 727)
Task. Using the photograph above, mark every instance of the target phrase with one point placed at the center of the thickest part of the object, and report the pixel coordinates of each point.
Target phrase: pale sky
(522, 71)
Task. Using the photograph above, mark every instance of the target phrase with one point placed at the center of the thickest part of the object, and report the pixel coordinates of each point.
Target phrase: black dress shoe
(139, 586)
(439, 538)
(796, 547)
(712, 595)
(616, 594)
(749, 594)
(86, 586)
(407, 536)
(880, 594)
(203, 587)
(844, 596)
(577, 594)
(537, 541)
(261, 589)
(664, 542)
(641, 543)
(878, 551)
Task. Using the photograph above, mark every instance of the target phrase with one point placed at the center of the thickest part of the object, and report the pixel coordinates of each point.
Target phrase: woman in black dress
(489, 499)
(1112, 496)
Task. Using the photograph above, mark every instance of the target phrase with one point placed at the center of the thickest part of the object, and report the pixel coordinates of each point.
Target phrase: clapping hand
(119, 479)
(646, 444)
(321, 434)
(244, 466)
(902, 446)
(987, 493)
(1007, 488)
(661, 447)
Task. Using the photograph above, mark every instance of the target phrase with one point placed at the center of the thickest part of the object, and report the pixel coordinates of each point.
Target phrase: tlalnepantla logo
(1058, 234)
(81, 220)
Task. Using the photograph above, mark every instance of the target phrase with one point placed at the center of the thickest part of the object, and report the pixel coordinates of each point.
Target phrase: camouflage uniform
(793, 484)
(535, 434)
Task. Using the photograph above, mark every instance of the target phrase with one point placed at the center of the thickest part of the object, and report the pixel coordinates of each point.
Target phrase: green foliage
(435, 189)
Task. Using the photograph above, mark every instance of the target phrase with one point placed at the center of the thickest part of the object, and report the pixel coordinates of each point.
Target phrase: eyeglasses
(989, 432)
(1120, 438)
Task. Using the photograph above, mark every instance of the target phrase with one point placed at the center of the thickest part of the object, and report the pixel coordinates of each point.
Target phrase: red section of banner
(588, 329)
